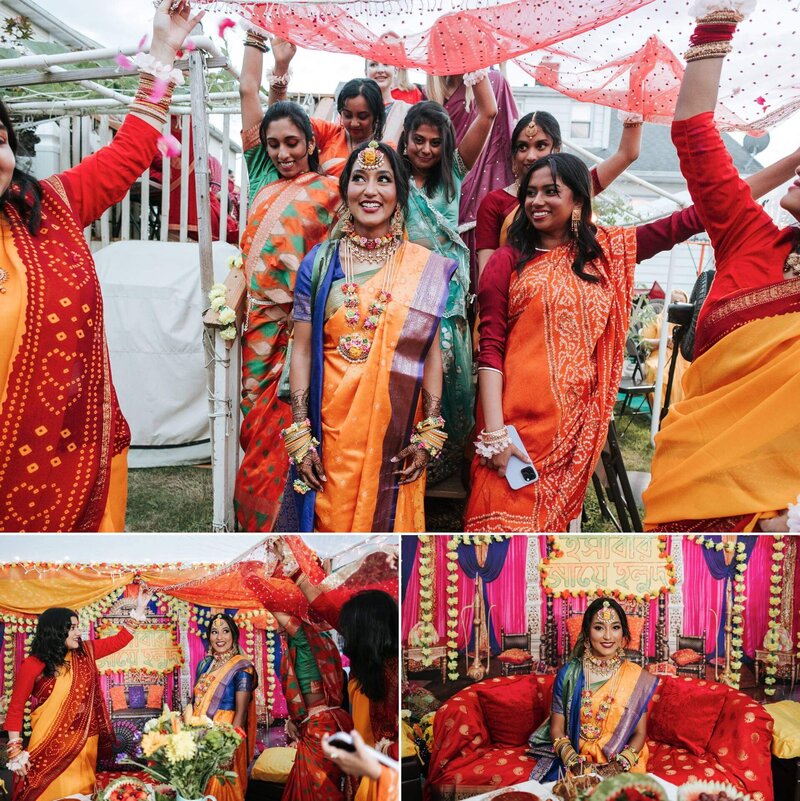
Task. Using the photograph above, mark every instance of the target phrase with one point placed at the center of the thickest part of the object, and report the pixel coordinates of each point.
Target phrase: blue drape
(408, 553)
(495, 559)
(715, 561)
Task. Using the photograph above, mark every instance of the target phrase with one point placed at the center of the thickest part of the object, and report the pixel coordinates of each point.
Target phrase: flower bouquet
(188, 754)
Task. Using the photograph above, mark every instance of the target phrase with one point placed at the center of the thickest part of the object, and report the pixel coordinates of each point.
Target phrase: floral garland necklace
(223, 658)
(355, 347)
(591, 725)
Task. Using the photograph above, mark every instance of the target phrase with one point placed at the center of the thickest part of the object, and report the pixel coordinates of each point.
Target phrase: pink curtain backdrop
(507, 593)
(579, 605)
(702, 594)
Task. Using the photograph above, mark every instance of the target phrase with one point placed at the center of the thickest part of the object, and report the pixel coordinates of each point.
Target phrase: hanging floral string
(428, 635)
(97, 609)
(478, 539)
(452, 607)
(270, 692)
(772, 641)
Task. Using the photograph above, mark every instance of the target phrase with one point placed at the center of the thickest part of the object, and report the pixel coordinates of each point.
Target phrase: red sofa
(696, 730)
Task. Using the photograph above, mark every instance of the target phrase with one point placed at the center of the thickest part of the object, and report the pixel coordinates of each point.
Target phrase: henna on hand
(299, 400)
(431, 404)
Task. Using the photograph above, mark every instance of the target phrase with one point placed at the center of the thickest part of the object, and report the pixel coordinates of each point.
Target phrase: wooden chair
(697, 644)
(521, 641)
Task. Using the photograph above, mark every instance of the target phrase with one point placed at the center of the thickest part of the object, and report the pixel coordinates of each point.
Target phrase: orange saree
(563, 361)
(368, 408)
(211, 690)
(286, 219)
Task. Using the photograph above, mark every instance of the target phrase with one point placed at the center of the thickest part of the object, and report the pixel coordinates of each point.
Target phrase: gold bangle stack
(708, 50)
(256, 40)
(628, 758)
(565, 752)
(430, 436)
(725, 16)
(299, 440)
(14, 748)
(145, 106)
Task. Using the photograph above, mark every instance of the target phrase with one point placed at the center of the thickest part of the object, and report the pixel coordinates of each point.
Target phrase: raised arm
(474, 139)
(628, 151)
(250, 80)
(283, 52)
(103, 179)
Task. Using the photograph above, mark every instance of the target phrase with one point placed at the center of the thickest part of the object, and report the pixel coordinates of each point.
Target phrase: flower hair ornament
(370, 158)
(606, 613)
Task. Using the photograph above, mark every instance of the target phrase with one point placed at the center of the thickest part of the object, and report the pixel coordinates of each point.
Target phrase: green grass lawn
(179, 498)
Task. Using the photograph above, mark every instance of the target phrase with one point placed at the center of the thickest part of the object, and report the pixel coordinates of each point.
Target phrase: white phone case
(517, 479)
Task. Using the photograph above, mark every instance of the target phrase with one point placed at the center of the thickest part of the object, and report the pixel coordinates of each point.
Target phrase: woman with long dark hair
(535, 136)
(366, 369)
(64, 441)
(599, 708)
(70, 724)
(555, 304)
(359, 103)
(438, 163)
(224, 687)
(292, 206)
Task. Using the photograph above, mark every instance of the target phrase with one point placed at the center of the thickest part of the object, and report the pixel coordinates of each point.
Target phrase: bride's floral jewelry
(591, 723)
(430, 436)
(355, 347)
(606, 613)
(490, 443)
(371, 157)
(299, 440)
(225, 656)
(599, 665)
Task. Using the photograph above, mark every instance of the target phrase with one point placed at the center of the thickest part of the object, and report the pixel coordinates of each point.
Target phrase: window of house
(581, 124)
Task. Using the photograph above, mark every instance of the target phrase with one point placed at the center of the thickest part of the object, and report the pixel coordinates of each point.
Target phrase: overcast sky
(123, 22)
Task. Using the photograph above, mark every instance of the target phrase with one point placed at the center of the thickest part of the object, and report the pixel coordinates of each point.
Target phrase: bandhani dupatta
(329, 664)
(287, 219)
(563, 363)
(633, 692)
(728, 453)
(60, 423)
(81, 715)
(371, 406)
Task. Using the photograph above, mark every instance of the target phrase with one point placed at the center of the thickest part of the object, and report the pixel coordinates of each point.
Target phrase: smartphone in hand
(518, 473)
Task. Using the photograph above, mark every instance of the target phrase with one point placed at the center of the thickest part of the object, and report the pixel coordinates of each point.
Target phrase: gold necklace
(355, 347)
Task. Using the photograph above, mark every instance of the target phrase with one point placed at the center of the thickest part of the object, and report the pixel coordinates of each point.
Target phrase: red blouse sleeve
(30, 669)
(102, 179)
(110, 645)
(597, 187)
(489, 222)
(664, 234)
(743, 235)
(493, 304)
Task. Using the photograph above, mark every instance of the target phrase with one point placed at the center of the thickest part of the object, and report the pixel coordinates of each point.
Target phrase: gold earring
(576, 220)
(310, 149)
(346, 220)
(397, 224)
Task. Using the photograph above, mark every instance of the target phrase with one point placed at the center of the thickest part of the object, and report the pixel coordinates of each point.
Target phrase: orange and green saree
(214, 695)
(563, 362)
(287, 218)
(363, 412)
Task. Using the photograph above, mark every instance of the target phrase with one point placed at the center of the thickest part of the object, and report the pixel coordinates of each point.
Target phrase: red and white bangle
(19, 762)
(490, 443)
(716, 24)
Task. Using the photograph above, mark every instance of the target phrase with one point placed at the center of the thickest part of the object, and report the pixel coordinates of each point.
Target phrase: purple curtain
(495, 559)
(408, 554)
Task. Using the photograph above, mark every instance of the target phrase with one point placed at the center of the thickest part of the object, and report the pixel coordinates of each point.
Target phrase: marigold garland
(426, 574)
(554, 552)
(452, 607)
(270, 688)
(737, 618)
(771, 643)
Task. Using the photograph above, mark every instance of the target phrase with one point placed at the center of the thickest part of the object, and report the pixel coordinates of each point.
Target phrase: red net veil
(264, 576)
(442, 37)
(630, 64)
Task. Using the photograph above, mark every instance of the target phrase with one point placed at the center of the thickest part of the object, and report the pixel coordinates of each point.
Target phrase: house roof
(53, 26)
(658, 154)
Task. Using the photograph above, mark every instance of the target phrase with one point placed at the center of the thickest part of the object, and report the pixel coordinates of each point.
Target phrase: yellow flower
(218, 290)
(152, 741)
(226, 315)
(180, 746)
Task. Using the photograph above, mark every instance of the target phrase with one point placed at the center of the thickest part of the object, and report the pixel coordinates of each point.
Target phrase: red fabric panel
(677, 765)
(510, 711)
(684, 711)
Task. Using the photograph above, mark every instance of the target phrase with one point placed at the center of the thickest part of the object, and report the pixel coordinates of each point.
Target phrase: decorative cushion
(274, 765)
(419, 701)
(118, 700)
(155, 696)
(574, 629)
(684, 713)
(510, 711)
(136, 696)
(662, 669)
(786, 734)
(686, 656)
(515, 656)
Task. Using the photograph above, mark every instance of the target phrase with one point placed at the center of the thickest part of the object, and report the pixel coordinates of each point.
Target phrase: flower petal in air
(189, 46)
(159, 90)
(124, 62)
(168, 146)
(142, 42)
(226, 23)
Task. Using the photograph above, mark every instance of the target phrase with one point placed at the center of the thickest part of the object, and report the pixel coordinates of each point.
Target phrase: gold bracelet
(724, 16)
(708, 50)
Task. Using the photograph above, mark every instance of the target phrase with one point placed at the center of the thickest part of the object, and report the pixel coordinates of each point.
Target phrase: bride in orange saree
(366, 369)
